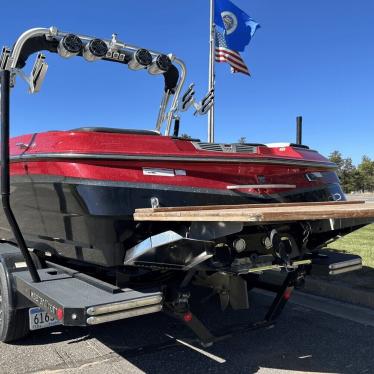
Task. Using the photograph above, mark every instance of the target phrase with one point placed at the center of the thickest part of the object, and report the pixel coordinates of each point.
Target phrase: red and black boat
(76, 191)
(69, 199)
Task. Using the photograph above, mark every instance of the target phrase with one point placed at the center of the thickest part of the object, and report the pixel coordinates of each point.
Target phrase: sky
(310, 58)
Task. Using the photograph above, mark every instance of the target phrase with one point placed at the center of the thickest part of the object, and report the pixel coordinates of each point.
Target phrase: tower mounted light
(95, 49)
(141, 59)
(70, 45)
(160, 65)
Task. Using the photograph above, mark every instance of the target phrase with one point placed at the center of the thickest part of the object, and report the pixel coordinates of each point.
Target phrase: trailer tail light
(287, 294)
(141, 59)
(95, 49)
(60, 314)
(187, 317)
(70, 45)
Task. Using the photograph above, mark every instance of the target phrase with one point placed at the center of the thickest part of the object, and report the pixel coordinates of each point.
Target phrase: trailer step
(77, 303)
(334, 263)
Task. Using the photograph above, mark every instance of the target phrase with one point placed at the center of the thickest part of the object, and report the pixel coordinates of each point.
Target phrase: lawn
(360, 242)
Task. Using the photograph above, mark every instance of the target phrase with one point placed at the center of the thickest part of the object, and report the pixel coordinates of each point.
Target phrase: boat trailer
(73, 298)
(36, 291)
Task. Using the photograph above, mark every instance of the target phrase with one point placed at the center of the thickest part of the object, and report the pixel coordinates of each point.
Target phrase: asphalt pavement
(314, 335)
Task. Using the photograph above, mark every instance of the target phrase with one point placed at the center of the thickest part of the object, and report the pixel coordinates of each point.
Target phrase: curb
(330, 288)
(339, 290)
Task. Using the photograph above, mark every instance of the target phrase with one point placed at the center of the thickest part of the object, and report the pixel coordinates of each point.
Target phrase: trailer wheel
(14, 323)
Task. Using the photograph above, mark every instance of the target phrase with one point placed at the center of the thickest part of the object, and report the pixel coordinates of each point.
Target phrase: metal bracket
(206, 103)
(179, 309)
(284, 293)
(188, 98)
(169, 250)
(202, 107)
(4, 58)
(38, 73)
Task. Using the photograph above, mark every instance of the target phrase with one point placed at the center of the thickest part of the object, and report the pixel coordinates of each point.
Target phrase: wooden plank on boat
(259, 213)
(241, 206)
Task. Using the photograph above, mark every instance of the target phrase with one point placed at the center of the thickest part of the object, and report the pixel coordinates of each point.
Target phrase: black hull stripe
(124, 157)
(166, 187)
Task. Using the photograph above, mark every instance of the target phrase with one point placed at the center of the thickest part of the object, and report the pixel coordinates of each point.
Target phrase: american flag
(233, 58)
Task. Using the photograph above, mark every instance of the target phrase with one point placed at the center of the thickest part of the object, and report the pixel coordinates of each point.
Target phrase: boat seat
(116, 131)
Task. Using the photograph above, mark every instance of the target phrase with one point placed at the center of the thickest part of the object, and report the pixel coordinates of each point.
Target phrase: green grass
(360, 242)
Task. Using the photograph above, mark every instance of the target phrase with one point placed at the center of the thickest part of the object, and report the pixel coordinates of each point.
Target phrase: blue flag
(238, 26)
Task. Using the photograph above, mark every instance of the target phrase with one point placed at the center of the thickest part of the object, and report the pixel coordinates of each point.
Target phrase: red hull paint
(200, 174)
(132, 144)
(197, 175)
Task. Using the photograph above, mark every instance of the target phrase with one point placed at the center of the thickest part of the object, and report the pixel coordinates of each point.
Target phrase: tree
(348, 174)
(366, 171)
(242, 140)
(337, 158)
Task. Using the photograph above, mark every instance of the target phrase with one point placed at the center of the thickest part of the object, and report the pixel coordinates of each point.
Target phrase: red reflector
(60, 314)
(187, 317)
(287, 294)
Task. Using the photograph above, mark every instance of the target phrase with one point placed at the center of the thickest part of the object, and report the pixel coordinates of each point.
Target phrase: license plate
(40, 319)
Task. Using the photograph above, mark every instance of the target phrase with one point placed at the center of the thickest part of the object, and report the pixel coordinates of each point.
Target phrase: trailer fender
(12, 261)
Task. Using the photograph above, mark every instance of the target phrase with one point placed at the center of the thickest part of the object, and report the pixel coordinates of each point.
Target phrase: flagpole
(211, 72)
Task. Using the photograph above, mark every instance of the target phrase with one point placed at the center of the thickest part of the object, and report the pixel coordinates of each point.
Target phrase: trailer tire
(14, 323)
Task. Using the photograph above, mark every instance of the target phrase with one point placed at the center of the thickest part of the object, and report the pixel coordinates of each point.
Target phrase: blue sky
(314, 58)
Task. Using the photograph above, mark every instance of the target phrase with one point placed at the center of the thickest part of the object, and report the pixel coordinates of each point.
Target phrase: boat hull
(91, 220)
(74, 193)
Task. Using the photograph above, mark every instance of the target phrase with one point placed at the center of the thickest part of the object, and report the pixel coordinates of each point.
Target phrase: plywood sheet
(259, 212)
